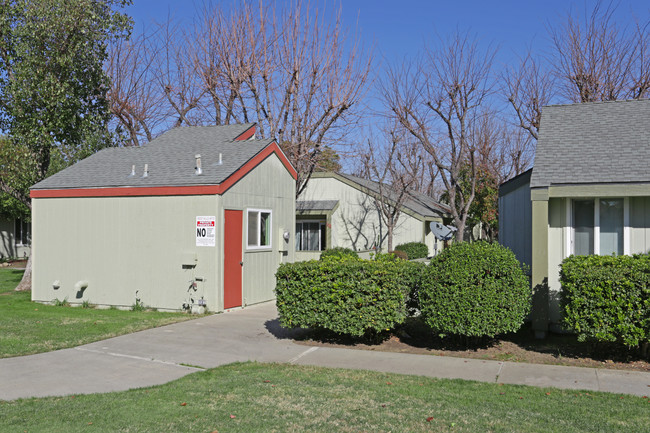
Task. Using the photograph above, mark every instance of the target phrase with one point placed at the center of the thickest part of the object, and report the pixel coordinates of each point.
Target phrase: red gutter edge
(246, 134)
(171, 190)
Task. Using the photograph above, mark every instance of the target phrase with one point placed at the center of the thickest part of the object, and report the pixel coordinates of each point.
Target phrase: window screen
(583, 220)
(611, 226)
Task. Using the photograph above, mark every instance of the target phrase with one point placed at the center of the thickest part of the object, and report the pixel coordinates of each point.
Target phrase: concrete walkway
(163, 354)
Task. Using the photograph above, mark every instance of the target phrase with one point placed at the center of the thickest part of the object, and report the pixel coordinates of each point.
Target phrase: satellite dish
(442, 232)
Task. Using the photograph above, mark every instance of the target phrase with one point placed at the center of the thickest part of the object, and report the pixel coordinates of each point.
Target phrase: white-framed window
(310, 235)
(598, 226)
(22, 232)
(258, 231)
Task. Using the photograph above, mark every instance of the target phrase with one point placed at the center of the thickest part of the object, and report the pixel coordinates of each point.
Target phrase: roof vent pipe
(146, 171)
(197, 169)
(132, 171)
(220, 159)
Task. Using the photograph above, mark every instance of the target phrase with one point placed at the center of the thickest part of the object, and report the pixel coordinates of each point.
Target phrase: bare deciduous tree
(395, 175)
(176, 74)
(598, 60)
(528, 88)
(305, 81)
(437, 101)
(135, 99)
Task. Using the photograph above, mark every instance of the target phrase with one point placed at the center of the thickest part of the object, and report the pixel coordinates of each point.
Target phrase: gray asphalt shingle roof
(170, 159)
(320, 205)
(417, 202)
(600, 142)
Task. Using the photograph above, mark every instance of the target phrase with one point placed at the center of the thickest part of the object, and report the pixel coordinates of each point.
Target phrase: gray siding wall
(269, 187)
(121, 245)
(515, 223)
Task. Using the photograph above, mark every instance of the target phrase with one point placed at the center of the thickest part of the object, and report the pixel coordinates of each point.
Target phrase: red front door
(232, 262)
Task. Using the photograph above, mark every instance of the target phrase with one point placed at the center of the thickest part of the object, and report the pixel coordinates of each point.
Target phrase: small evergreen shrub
(399, 254)
(410, 275)
(339, 253)
(474, 290)
(349, 297)
(607, 298)
(414, 250)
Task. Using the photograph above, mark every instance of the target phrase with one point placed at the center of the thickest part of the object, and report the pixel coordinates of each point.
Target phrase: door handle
(241, 263)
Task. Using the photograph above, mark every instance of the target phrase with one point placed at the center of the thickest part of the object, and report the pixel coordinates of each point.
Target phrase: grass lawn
(253, 397)
(27, 327)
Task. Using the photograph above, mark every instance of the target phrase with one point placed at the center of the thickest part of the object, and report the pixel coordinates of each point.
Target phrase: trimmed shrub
(607, 298)
(410, 275)
(399, 254)
(414, 250)
(475, 290)
(339, 253)
(353, 297)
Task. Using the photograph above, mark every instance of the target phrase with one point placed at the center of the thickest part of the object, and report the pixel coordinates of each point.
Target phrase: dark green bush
(353, 297)
(411, 275)
(474, 290)
(414, 250)
(607, 298)
(399, 254)
(339, 253)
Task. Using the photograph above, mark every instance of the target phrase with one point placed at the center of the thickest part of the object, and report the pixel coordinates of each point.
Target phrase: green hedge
(354, 297)
(339, 253)
(607, 298)
(475, 290)
(414, 250)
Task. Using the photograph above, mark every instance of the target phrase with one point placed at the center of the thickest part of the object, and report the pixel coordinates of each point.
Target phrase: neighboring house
(198, 215)
(589, 194)
(340, 210)
(15, 238)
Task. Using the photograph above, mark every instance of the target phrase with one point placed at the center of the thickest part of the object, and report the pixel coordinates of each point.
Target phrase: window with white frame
(598, 226)
(310, 235)
(259, 229)
(22, 232)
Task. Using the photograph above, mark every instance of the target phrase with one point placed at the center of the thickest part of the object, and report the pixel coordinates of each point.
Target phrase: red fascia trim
(171, 190)
(246, 134)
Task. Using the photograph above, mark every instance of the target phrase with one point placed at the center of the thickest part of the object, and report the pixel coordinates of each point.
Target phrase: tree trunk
(26, 283)
(460, 233)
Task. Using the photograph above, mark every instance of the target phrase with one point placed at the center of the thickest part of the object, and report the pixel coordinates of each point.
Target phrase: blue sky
(398, 28)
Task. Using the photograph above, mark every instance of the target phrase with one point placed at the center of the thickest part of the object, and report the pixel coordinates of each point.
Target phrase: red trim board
(246, 134)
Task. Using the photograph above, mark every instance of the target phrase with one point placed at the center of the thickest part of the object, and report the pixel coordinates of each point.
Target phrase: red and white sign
(205, 231)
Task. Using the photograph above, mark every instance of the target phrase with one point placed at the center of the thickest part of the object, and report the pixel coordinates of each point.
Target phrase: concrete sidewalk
(163, 354)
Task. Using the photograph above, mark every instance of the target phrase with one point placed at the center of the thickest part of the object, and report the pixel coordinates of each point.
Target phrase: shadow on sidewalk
(274, 327)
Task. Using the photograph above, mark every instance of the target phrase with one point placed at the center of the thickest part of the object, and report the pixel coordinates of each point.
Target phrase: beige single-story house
(340, 210)
(588, 193)
(200, 216)
(15, 238)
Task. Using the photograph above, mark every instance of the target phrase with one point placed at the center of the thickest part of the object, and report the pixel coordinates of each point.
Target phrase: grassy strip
(253, 397)
(27, 327)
